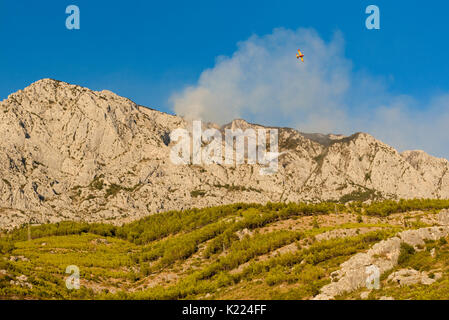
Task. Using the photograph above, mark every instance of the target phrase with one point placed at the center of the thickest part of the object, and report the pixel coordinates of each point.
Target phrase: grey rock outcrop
(383, 256)
(407, 277)
(443, 217)
(70, 153)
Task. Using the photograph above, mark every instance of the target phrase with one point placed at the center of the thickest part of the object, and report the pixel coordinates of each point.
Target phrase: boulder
(407, 277)
(443, 217)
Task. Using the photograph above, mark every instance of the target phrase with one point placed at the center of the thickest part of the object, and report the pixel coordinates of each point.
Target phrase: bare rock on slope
(443, 217)
(383, 256)
(70, 153)
(407, 277)
(432, 169)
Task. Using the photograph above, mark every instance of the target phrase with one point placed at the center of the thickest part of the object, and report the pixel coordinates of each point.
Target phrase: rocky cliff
(68, 152)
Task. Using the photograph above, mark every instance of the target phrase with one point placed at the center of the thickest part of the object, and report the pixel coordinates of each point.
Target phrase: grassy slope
(241, 251)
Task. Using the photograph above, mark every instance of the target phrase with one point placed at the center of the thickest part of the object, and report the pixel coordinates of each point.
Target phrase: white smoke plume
(263, 82)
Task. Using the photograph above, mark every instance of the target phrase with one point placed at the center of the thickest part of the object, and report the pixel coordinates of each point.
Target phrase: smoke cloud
(262, 82)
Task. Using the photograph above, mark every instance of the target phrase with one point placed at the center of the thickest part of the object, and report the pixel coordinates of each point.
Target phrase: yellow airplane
(300, 55)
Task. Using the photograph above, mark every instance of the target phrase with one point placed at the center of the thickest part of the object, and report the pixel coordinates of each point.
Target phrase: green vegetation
(238, 251)
(236, 188)
(388, 207)
(406, 253)
(114, 189)
(360, 196)
(197, 193)
(97, 183)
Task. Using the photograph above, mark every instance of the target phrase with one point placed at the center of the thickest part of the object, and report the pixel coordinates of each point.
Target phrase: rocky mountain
(68, 152)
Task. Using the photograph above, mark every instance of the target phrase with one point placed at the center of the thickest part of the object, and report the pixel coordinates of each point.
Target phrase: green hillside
(240, 251)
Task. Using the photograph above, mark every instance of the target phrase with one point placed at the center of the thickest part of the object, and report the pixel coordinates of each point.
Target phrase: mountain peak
(47, 81)
(47, 84)
(77, 154)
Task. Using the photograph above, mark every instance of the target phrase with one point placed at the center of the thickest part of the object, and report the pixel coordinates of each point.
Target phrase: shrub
(407, 251)
(197, 193)
(112, 190)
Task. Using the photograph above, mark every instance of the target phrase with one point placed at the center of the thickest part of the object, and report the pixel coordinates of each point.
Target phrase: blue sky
(146, 49)
(150, 50)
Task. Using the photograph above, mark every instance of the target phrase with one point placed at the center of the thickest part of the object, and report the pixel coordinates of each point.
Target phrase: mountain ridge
(70, 153)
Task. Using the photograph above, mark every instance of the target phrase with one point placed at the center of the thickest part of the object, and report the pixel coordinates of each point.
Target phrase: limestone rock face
(433, 170)
(407, 277)
(382, 257)
(70, 153)
(443, 217)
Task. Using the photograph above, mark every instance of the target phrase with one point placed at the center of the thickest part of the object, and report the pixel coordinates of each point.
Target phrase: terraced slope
(241, 251)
